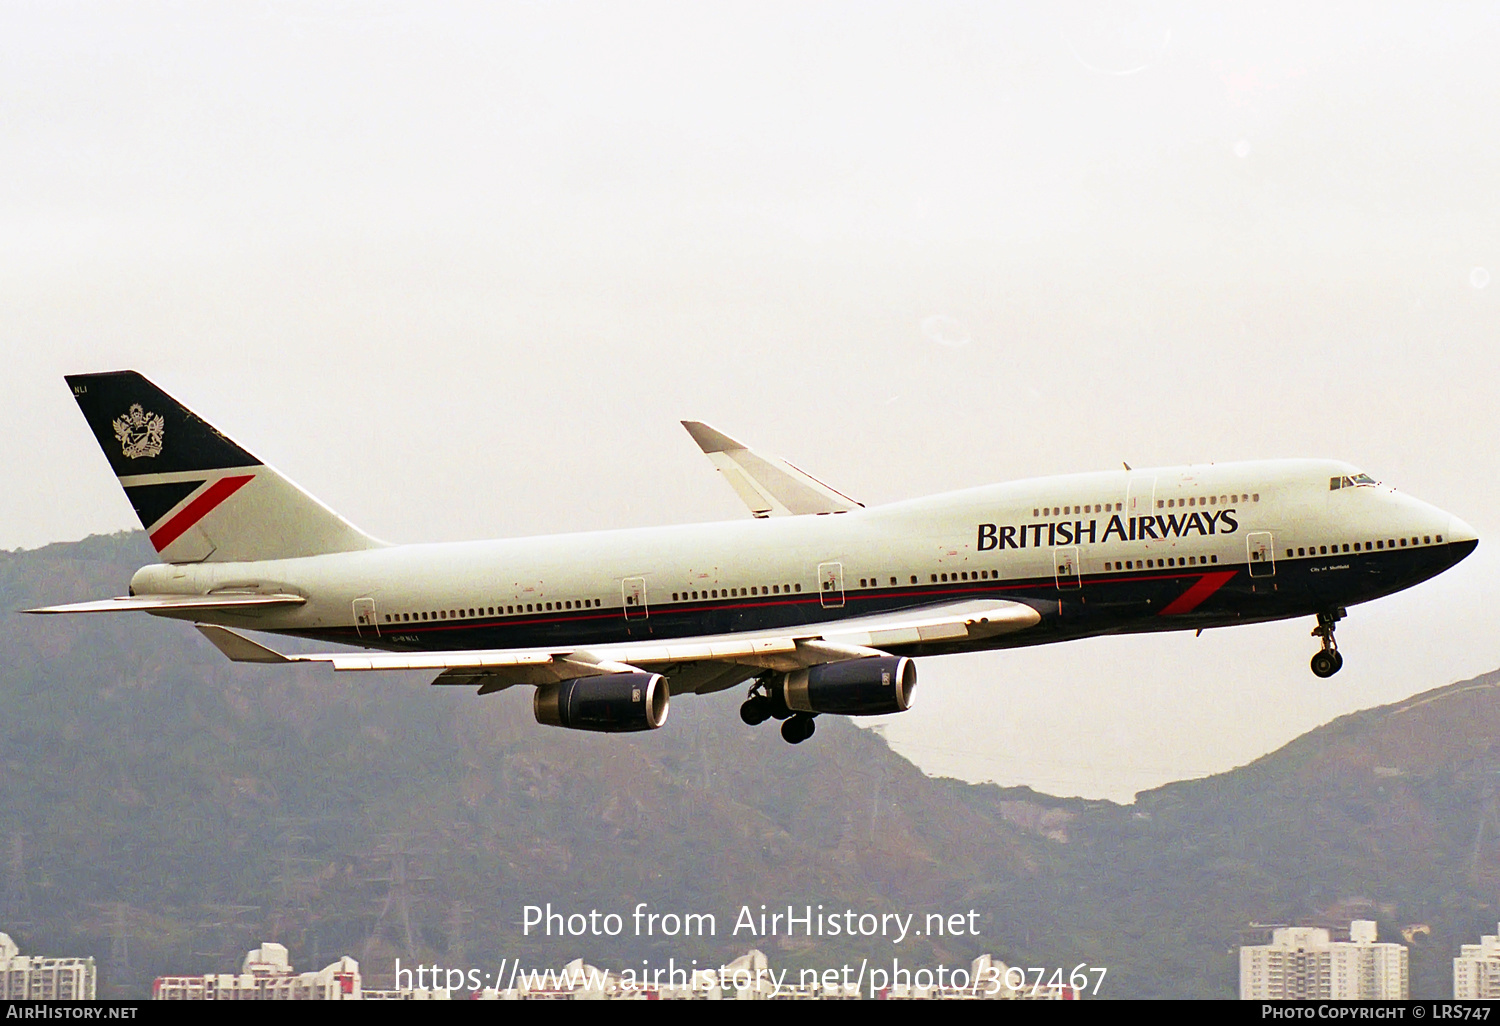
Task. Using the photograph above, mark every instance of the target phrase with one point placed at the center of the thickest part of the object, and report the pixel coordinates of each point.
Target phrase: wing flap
(429, 660)
(974, 620)
(704, 678)
(488, 681)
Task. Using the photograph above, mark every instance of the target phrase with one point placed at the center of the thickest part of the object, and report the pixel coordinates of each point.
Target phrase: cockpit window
(1335, 483)
(1364, 479)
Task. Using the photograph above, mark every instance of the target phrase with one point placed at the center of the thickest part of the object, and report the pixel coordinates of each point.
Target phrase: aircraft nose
(1461, 536)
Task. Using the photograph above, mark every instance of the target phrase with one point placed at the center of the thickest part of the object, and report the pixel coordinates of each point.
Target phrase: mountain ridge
(156, 792)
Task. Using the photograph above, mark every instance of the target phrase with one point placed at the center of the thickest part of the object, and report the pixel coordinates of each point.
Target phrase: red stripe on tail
(1194, 596)
(196, 510)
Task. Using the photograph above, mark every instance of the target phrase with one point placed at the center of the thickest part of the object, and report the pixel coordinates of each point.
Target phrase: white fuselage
(1104, 552)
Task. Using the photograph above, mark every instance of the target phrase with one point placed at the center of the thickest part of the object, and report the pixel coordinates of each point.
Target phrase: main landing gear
(765, 703)
(798, 728)
(1327, 662)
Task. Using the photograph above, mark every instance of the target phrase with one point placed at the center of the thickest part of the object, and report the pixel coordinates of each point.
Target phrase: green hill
(224, 803)
(165, 810)
(1388, 814)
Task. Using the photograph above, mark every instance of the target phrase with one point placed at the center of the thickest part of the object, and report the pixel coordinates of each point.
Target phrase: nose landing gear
(1328, 661)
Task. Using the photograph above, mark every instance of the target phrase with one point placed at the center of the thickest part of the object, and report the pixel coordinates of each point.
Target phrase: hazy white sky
(460, 269)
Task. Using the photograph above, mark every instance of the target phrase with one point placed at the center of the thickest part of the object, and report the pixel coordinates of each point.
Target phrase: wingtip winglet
(769, 486)
(711, 439)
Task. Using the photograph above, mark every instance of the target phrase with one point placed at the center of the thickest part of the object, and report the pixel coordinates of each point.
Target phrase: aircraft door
(633, 598)
(365, 623)
(1140, 495)
(1262, 554)
(1065, 566)
(831, 585)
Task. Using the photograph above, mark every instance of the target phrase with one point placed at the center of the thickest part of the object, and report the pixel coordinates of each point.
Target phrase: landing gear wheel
(764, 702)
(798, 729)
(1326, 663)
(755, 711)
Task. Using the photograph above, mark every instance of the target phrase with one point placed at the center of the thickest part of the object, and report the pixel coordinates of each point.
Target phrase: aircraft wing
(698, 664)
(771, 487)
(174, 603)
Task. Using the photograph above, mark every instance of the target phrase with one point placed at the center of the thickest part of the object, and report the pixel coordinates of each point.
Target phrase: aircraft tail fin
(200, 496)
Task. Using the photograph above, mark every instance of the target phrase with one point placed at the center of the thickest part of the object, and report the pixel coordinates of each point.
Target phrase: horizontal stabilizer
(239, 648)
(771, 487)
(173, 603)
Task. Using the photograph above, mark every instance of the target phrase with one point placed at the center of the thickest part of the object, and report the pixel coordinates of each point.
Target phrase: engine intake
(854, 687)
(613, 703)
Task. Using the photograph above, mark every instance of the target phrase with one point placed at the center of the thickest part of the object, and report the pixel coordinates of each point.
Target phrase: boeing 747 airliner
(818, 602)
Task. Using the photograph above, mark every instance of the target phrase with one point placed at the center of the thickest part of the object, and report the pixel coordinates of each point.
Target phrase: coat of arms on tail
(198, 494)
(139, 432)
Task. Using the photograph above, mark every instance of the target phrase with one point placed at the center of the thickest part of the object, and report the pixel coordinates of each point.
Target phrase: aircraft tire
(1326, 664)
(798, 729)
(755, 711)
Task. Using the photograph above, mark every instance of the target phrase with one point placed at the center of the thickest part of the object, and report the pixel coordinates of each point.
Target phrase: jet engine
(852, 687)
(612, 703)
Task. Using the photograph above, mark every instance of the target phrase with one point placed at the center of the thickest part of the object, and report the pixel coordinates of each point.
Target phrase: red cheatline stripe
(1194, 596)
(196, 510)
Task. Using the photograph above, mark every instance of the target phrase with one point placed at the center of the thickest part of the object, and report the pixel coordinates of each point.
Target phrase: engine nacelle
(613, 703)
(854, 687)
